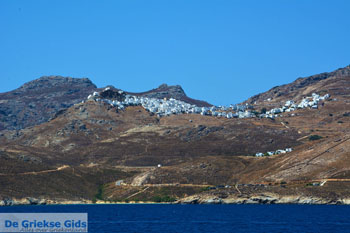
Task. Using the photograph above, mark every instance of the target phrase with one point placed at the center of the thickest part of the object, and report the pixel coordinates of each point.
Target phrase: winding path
(38, 172)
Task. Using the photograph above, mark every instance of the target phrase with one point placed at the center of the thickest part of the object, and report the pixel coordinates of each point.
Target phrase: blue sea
(204, 218)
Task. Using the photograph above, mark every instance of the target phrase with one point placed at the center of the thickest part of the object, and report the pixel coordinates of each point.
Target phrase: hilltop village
(166, 107)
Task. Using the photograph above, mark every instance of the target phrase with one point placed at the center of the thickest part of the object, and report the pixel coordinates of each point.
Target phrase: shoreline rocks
(194, 199)
(39, 201)
(261, 199)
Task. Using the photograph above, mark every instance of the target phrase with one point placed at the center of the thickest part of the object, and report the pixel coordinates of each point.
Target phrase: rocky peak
(162, 86)
(341, 72)
(173, 88)
(48, 82)
(166, 91)
(305, 86)
(38, 101)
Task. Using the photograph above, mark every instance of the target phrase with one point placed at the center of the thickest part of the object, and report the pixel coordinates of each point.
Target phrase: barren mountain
(37, 101)
(40, 100)
(87, 147)
(335, 83)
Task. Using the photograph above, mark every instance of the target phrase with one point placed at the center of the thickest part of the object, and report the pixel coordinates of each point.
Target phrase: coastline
(195, 199)
(264, 199)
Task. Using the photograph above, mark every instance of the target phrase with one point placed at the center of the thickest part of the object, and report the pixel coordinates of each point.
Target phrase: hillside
(40, 100)
(37, 101)
(335, 83)
(112, 136)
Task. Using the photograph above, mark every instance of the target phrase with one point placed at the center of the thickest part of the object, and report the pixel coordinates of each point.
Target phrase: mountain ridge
(298, 88)
(39, 100)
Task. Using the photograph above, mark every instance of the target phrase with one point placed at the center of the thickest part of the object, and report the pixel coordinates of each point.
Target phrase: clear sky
(219, 51)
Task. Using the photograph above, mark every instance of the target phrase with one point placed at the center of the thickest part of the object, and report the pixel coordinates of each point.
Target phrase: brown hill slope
(335, 83)
(93, 143)
(327, 157)
(96, 132)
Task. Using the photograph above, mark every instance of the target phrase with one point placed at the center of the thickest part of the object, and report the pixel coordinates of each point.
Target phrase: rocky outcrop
(176, 92)
(260, 199)
(304, 86)
(38, 101)
(165, 91)
(196, 199)
(39, 201)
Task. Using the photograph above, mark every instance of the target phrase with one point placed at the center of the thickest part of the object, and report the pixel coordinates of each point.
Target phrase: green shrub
(315, 137)
(100, 191)
(165, 198)
(157, 199)
(168, 199)
(255, 113)
(205, 188)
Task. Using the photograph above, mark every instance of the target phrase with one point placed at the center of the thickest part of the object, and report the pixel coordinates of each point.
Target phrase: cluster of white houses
(290, 105)
(277, 152)
(166, 107)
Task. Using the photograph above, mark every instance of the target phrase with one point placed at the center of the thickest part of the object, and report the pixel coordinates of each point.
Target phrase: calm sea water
(205, 218)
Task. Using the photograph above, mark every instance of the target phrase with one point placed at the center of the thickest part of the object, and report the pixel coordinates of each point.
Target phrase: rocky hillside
(83, 150)
(176, 92)
(37, 101)
(334, 83)
(40, 100)
(97, 132)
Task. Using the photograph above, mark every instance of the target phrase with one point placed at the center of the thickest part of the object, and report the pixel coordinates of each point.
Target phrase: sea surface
(204, 218)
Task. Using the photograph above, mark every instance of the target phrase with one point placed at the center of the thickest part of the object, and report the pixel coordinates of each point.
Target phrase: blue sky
(219, 51)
